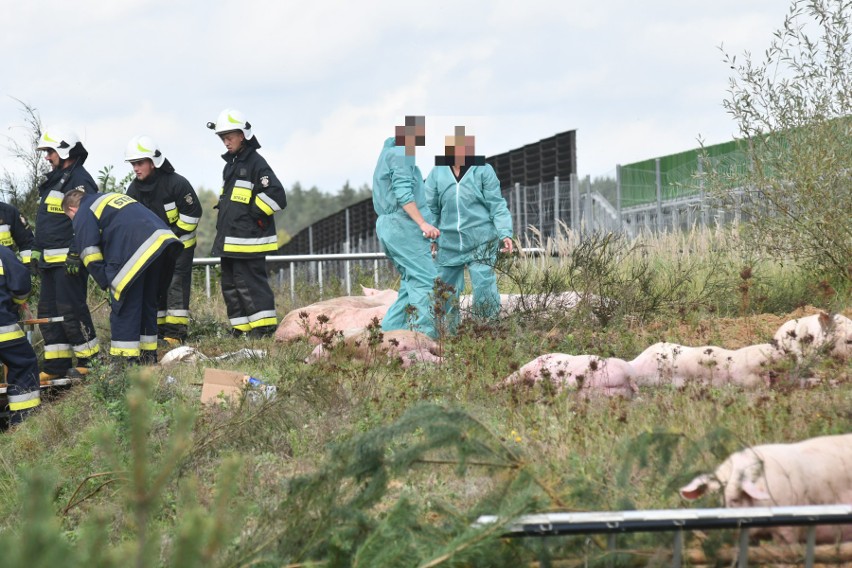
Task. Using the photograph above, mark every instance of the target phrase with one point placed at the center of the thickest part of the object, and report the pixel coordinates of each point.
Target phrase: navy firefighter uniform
(63, 284)
(171, 197)
(15, 232)
(23, 390)
(131, 251)
(245, 234)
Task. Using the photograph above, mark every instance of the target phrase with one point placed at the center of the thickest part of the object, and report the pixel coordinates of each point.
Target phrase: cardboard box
(217, 381)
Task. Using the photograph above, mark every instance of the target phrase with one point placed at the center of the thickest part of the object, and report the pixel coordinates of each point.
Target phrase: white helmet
(141, 147)
(229, 120)
(60, 140)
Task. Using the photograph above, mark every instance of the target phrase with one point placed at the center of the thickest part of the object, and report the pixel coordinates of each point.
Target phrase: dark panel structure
(529, 165)
(538, 162)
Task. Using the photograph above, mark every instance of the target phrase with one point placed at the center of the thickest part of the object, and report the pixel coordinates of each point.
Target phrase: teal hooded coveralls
(397, 181)
(473, 219)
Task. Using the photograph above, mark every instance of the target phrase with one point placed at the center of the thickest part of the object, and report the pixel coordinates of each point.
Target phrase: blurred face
(53, 158)
(143, 168)
(412, 134)
(459, 147)
(233, 140)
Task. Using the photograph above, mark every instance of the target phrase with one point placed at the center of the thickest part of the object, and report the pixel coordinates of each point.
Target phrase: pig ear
(369, 291)
(824, 320)
(696, 488)
(753, 491)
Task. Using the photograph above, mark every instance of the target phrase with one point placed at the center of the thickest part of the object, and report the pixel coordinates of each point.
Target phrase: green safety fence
(678, 173)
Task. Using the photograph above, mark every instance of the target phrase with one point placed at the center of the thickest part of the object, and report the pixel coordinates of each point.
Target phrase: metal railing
(319, 260)
(677, 521)
(207, 262)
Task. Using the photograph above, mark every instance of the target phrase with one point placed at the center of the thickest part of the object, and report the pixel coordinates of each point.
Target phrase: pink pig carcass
(589, 374)
(817, 471)
(810, 335)
(678, 365)
(343, 313)
(409, 346)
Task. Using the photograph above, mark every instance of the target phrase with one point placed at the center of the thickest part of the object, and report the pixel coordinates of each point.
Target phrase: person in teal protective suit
(404, 228)
(463, 194)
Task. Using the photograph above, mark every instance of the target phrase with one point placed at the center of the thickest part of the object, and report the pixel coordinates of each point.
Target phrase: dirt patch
(730, 333)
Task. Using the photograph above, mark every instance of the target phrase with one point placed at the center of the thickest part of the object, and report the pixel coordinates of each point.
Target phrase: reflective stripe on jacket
(53, 229)
(251, 194)
(15, 287)
(171, 197)
(118, 238)
(15, 231)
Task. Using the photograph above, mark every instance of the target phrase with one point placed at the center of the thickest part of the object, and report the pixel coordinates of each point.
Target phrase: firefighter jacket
(118, 239)
(15, 231)
(250, 194)
(171, 197)
(14, 288)
(54, 236)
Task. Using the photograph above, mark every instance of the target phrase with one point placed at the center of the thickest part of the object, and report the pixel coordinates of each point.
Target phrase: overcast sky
(323, 83)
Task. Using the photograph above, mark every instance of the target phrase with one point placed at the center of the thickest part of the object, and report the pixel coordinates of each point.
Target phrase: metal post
(281, 278)
(525, 211)
(292, 283)
(618, 195)
(347, 264)
(703, 202)
(319, 277)
(677, 553)
(742, 551)
(589, 225)
(518, 218)
(540, 210)
(207, 279)
(376, 273)
(556, 211)
(311, 247)
(737, 208)
(610, 549)
(659, 196)
(575, 202)
(809, 550)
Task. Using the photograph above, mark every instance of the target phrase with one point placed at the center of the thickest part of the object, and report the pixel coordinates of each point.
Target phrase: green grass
(357, 465)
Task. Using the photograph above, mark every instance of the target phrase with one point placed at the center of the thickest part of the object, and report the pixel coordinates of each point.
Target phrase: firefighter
(15, 232)
(55, 256)
(245, 229)
(171, 197)
(131, 251)
(23, 390)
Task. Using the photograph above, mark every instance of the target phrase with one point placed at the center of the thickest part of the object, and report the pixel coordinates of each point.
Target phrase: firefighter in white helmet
(173, 199)
(63, 277)
(245, 228)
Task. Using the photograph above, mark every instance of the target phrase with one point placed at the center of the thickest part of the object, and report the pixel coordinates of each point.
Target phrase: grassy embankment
(374, 465)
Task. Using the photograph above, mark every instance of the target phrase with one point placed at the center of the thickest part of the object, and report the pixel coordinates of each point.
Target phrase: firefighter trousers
(23, 390)
(65, 295)
(173, 313)
(248, 296)
(133, 320)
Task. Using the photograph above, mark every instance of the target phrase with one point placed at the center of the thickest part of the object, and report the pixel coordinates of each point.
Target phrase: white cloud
(325, 82)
